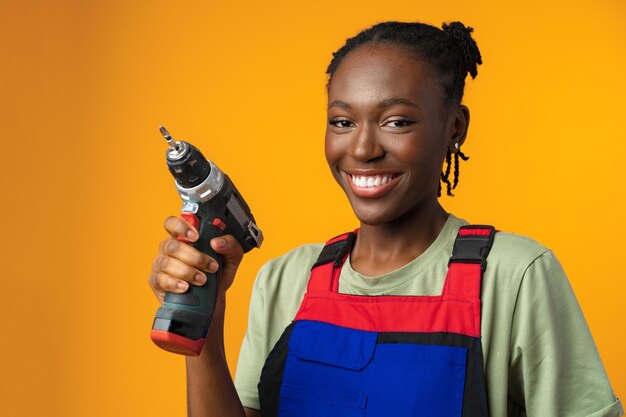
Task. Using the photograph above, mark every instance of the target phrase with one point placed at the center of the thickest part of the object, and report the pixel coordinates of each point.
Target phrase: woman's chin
(372, 216)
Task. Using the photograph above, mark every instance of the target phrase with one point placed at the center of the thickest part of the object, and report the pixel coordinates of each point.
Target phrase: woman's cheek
(331, 150)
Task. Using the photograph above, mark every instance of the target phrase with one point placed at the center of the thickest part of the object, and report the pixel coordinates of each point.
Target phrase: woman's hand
(179, 264)
(210, 389)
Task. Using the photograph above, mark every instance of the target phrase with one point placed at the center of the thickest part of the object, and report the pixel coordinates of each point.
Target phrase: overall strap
(465, 267)
(468, 261)
(326, 270)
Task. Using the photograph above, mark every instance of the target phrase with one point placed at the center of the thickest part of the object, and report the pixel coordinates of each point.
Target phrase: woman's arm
(210, 389)
(555, 368)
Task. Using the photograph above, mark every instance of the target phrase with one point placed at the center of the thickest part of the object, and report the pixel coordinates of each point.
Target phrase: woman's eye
(340, 123)
(399, 123)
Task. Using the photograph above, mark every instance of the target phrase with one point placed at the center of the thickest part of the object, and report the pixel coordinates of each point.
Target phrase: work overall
(353, 355)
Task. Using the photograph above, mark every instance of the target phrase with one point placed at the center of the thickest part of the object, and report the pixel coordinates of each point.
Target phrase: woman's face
(387, 135)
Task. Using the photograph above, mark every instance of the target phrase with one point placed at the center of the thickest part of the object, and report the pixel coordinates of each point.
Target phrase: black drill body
(212, 203)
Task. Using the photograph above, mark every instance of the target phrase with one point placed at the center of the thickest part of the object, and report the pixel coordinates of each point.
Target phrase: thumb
(229, 248)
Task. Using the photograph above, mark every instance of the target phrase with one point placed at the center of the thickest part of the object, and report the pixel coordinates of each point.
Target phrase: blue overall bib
(353, 356)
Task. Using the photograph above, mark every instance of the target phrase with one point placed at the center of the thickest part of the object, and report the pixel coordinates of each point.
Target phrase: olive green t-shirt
(539, 356)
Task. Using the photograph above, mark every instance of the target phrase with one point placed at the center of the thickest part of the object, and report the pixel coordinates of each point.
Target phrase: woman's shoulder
(296, 257)
(509, 249)
(514, 259)
(515, 250)
(293, 266)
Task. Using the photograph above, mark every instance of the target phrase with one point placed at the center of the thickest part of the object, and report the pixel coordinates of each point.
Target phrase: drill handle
(201, 299)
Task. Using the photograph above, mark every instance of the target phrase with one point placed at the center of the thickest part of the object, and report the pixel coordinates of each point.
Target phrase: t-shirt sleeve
(254, 347)
(555, 368)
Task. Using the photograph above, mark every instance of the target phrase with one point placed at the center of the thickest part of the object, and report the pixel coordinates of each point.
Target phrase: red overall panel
(393, 313)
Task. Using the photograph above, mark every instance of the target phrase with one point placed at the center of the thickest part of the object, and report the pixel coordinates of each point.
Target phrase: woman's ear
(459, 119)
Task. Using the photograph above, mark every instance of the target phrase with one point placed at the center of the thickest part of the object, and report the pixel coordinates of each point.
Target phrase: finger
(178, 227)
(158, 291)
(188, 255)
(229, 248)
(154, 280)
(167, 283)
(178, 270)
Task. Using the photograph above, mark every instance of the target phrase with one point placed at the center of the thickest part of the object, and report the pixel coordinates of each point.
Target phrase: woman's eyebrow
(388, 102)
(339, 103)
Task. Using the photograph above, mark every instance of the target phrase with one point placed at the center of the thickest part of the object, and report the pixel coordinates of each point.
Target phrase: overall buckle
(473, 248)
(335, 251)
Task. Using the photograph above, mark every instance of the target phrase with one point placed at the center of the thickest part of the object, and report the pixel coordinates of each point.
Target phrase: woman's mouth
(371, 185)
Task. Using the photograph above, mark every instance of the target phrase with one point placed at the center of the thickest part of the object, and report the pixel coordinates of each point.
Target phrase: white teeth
(370, 181)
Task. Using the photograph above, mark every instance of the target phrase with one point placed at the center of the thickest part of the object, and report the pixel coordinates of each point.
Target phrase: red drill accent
(193, 219)
(177, 344)
(218, 223)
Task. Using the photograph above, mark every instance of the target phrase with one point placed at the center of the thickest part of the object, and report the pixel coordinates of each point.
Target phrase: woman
(394, 117)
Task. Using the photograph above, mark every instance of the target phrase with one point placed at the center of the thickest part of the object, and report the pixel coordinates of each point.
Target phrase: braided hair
(450, 53)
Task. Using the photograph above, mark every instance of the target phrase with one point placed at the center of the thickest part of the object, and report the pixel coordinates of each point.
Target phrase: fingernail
(213, 266)
(221, 243)
(191, 234)
(200, 278)
(182, 285)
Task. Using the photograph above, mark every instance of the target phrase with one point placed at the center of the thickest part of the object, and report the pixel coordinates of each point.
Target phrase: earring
(456, 146)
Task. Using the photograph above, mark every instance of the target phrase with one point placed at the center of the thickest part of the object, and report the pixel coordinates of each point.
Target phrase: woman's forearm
(210, 388)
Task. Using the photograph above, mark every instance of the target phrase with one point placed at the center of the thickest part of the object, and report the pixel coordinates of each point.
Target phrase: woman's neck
(384, 248)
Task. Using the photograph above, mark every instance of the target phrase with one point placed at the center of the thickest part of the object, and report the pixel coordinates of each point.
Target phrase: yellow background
(84, 85)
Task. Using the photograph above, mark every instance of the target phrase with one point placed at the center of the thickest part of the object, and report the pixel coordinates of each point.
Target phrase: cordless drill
(212, 204)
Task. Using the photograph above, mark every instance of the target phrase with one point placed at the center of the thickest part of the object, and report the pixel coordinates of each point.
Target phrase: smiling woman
(416, 312)
(392, 128)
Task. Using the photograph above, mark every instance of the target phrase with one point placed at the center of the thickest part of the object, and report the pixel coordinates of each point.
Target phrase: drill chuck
(186, 163)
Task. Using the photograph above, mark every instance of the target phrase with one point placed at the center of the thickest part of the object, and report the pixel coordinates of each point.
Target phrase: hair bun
(461, 34)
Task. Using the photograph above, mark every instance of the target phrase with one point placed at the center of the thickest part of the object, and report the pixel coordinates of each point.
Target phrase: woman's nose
(365, 144)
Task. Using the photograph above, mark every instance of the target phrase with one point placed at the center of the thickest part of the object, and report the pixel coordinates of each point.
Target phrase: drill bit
(168, 138)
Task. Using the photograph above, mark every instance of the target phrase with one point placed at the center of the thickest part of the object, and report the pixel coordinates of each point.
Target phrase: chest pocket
(336, 371)
(318, 353)
(332, 345)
